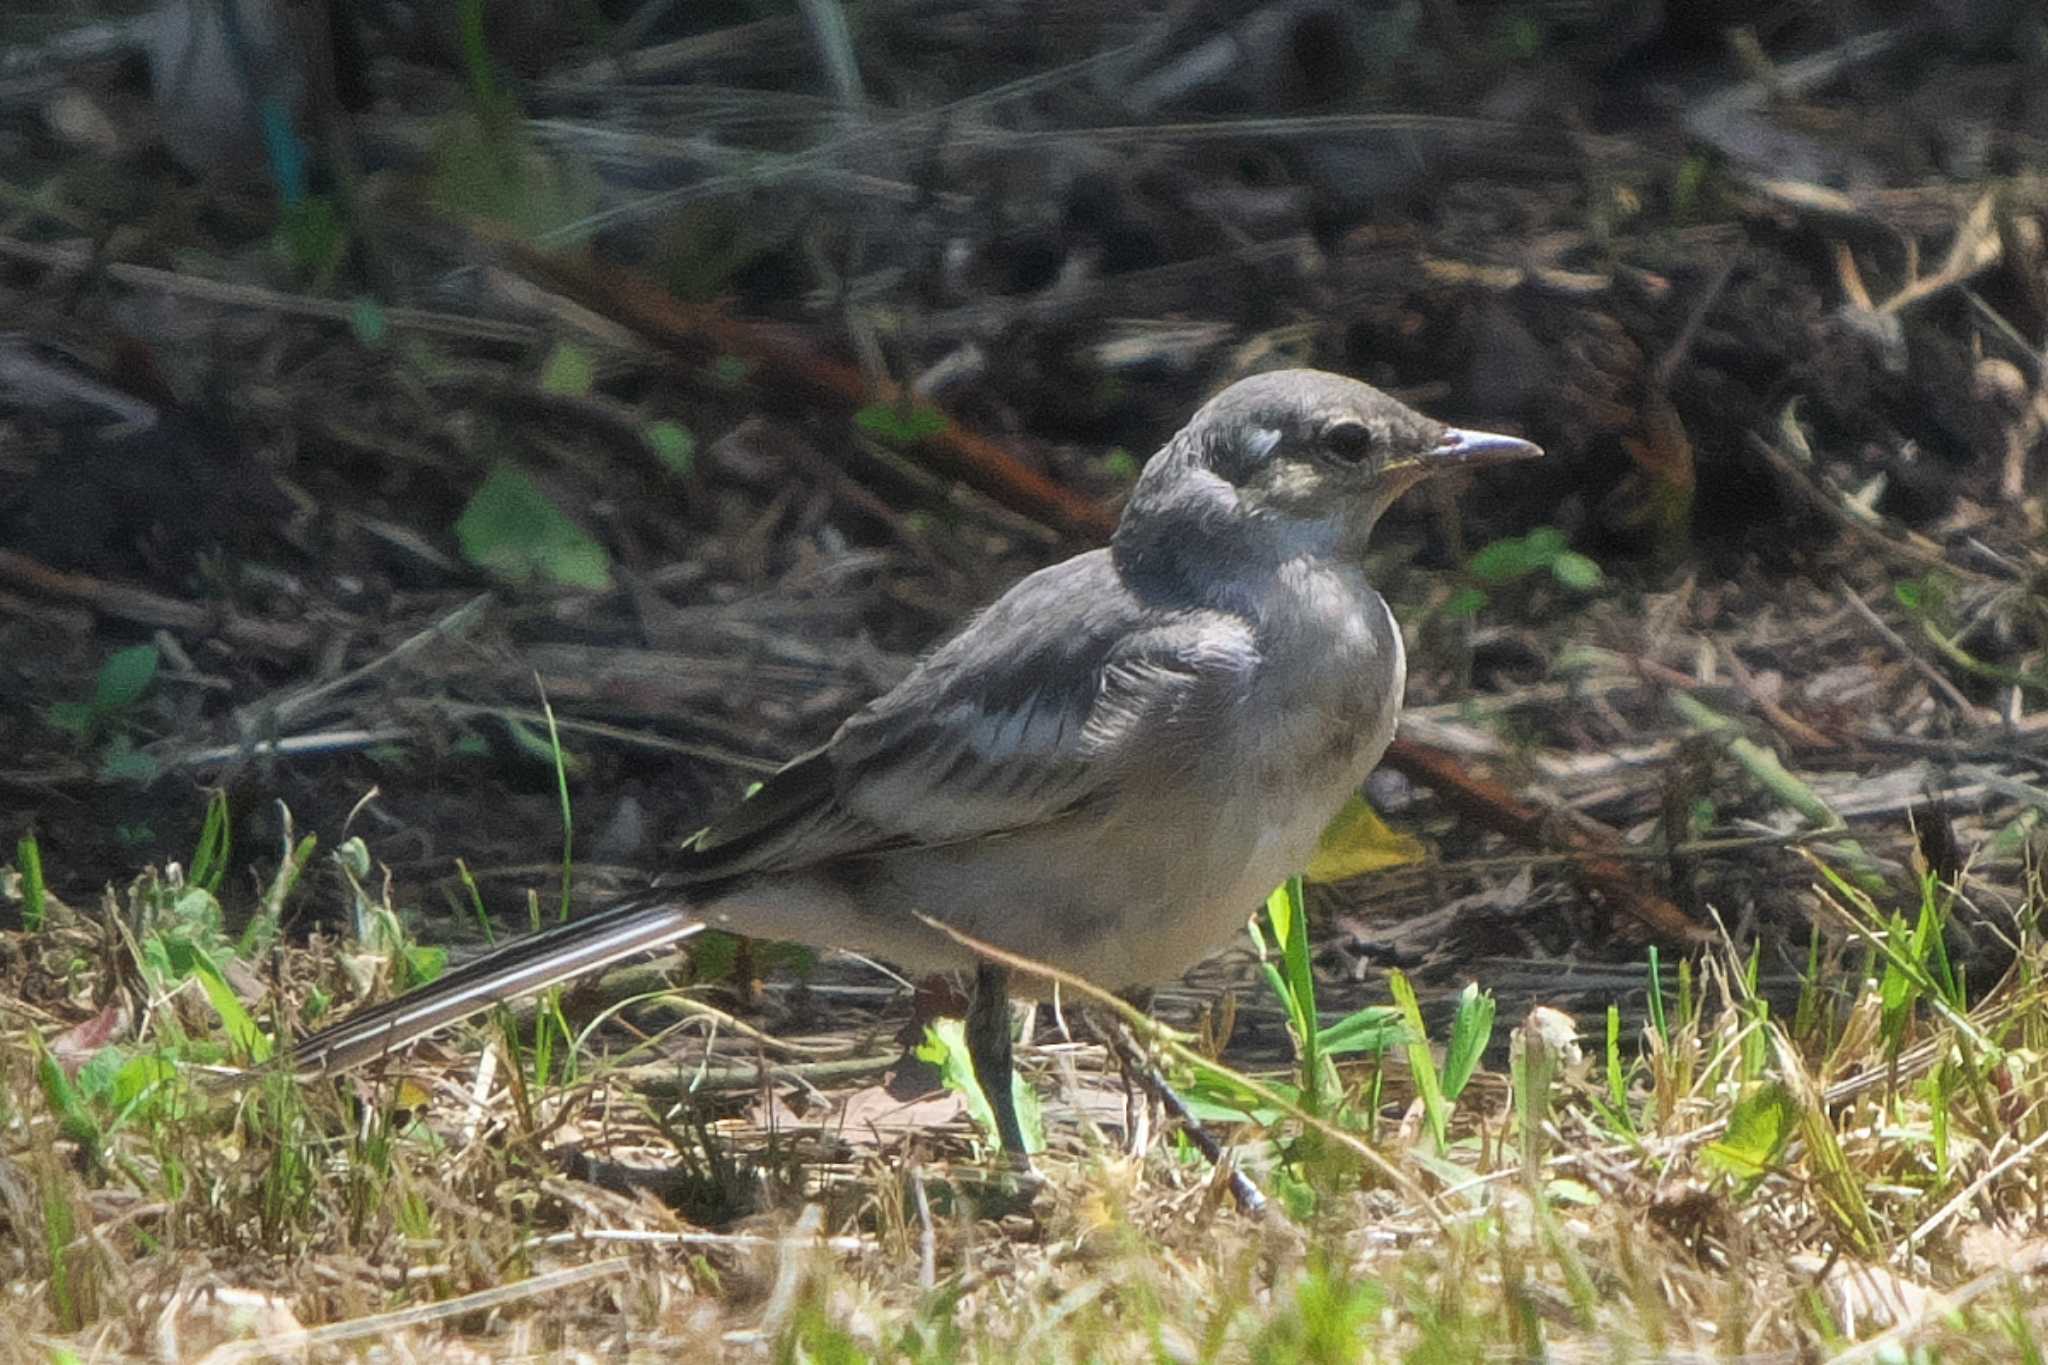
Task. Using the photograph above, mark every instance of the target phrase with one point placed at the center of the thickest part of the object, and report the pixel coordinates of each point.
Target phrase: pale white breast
(1303, 771)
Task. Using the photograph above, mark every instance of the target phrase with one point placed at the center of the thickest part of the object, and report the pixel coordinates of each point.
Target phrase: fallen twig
(149, 608)
(1493, 806)
(656, 315)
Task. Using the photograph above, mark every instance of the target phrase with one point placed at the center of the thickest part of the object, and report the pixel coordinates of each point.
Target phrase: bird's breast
(1331, 678)
(1319, 715)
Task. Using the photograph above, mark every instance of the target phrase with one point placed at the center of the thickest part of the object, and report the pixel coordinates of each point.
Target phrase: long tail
(519, 968)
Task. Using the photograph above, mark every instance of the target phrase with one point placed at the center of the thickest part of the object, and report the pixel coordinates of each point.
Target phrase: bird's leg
(988, 1047)
(1136, 1063)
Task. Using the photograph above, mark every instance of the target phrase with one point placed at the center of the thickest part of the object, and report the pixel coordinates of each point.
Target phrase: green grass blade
(1289, 918)
(1428, 1083)
(210, 855)
(28, 860)
(1471, 1031)
(1658, 1025)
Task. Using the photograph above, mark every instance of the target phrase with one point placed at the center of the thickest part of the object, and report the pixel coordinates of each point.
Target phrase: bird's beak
(1458, 448)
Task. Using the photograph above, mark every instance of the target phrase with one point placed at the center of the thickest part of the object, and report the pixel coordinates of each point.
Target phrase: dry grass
(1864, 1177)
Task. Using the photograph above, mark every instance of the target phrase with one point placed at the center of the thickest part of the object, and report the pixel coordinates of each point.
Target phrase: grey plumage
(1107, 769)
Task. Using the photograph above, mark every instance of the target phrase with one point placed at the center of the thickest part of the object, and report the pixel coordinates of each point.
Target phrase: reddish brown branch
(149, 608)
(1487, 803)
(638, 303)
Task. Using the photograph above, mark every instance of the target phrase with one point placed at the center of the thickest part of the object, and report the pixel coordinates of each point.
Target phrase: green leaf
(1516, 557)
(512, 529)
(1504, 561)
(1471, 1031)
(1465, 602)
(1576, 572)
(533, 744)
(74, 1119)
(72, 717)
(900, 424)
(482, 164)
(1926, 598)
(193, 914)
(1759, 1126)
(568, 370)
(136, 1076)
(673, 445)
(1209, 1109)
(945, 1047)
(1357, 841)
(96, 1079)
(1374, 1029)
(731, 371)
(422, 964)
(354, 856)
(121, 761)
(242, 1030)
(124, 677)
(714, 956)
(1281, 907)
(1216, 1098)
(312, 237)
(367, 320)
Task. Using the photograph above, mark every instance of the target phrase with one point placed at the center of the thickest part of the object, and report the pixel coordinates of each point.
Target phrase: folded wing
(1046, 703)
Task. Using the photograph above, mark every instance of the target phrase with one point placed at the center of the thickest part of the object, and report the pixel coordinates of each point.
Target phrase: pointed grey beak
(1460, 449)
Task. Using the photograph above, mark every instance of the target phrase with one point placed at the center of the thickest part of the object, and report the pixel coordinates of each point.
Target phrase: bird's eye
(1349, 442)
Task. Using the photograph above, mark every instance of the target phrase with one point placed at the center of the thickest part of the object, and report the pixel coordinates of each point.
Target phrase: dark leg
(1137, 1064)
(988, 1046)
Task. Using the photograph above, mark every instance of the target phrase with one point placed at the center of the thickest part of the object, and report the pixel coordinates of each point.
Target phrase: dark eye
(1349, 442)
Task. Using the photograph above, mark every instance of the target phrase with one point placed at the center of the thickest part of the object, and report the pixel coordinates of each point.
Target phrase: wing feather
(1048, 701)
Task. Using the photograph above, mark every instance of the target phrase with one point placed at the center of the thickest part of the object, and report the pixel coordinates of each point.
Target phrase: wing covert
(1047, 701)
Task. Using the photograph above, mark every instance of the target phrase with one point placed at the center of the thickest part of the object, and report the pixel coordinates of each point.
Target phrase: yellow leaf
(1358, 841)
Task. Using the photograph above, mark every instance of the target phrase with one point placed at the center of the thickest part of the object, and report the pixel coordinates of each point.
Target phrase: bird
(1106, 770)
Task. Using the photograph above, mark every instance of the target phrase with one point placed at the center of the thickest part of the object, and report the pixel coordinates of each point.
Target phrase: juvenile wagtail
(1107, 770)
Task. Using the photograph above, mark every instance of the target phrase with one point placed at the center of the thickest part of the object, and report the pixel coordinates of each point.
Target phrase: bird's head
(1287, 463)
